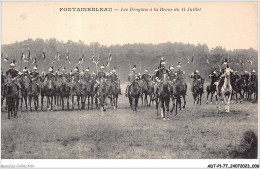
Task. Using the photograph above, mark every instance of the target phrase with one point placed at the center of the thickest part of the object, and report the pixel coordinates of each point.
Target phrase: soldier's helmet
(102, 66)
(64, 69)
(25, 70)
(145, 71)
(197, 71)
(76, 69)
(50, 69)
(163, 63)
(253, 71)
(114, 70)
(35, 68)
(179, 65)
(87, 69)
(12, 64)
(171, 68)
(214, 72)
(246, 72)
(134, 68)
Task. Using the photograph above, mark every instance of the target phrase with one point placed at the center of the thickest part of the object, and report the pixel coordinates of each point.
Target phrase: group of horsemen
(63, 78)
(160, 75)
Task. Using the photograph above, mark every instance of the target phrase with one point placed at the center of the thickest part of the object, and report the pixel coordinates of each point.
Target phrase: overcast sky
(232, 25)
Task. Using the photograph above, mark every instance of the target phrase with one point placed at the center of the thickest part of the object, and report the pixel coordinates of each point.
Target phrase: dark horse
(237, 86)
(76, 91)
(164, 94)
(49, 92)
(113, 92)
(211, 89)
(64, 91)
(102, 93)
(147, 90)
(11, 95)
(181, 90)
(33, 93)
(25, 83)
(198, 91)
(253, 89)
(134, 93)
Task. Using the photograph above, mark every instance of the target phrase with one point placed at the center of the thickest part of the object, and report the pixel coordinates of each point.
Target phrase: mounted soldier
(34, 76)
(76, 75)
(115, 79)
(246, 76)
(196, 76)
(133, 76)
(102, 73)
(145, 76)
(172, 74)
(50, 75)
(253, 76)
(12, 73)
(64, 76)
(214, 77)
(160, 75)
(180, 74)
(87, 76)
(25, 74)
(222, 75)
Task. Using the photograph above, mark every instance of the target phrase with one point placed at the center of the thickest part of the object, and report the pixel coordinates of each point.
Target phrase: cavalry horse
(33, 93)
(76, 87)
(147, 90)
(253, 89)
(181, 90)
(11, 95)
(113, 92)
(102, 93)
(134, 93)
(225, 91)
(164, 94)
(237, 86)
(64, 91)
(198, 91)
(57, 97)
(25, 84)
(211, 89)
(49, 91)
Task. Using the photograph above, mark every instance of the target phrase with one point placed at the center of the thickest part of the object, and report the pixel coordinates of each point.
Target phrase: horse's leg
(8, 100)
(72, 101)
(200, 97)
(184, 99)
(211, 98)
(68, 102)
(136, 103)
(162, 108)
(51, 102)
(78, 99)
(30, 102)
(178, 101)
(21, 104)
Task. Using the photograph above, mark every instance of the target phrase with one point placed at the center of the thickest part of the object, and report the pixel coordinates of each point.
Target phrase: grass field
(196, 132)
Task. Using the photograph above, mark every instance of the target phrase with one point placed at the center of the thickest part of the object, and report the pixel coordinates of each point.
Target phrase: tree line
(144, 56)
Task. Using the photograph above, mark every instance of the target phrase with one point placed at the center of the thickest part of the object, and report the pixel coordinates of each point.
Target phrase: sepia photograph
(129, 80)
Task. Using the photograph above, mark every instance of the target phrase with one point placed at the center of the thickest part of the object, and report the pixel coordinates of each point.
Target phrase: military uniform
(172, 75)
(87, 77)
(195, 77)
(64, 77)
(213, 78)
(253, 77)
(50, 76)
(101, 74)
(76, 76)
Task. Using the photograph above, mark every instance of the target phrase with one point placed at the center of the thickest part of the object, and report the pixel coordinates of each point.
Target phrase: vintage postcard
(129, 80)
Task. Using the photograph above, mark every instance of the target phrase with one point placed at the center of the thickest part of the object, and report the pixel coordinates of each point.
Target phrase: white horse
(225, 91)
